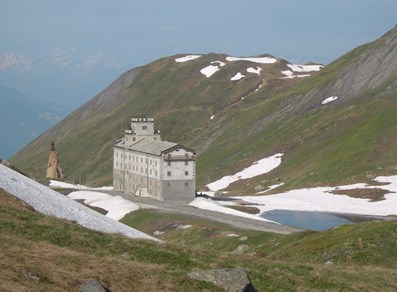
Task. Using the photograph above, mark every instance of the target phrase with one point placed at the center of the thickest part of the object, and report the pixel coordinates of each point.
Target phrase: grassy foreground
(40, 253)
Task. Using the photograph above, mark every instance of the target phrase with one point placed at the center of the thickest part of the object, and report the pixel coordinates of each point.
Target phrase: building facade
(146, 166)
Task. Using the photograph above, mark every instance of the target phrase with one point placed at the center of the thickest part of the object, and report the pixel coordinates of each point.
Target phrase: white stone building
(144, 165)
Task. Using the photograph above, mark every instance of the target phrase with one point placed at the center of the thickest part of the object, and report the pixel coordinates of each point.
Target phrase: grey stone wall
(178, 190)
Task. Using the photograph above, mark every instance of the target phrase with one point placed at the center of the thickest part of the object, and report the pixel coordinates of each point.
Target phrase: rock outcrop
(54, 169)
(232, 280)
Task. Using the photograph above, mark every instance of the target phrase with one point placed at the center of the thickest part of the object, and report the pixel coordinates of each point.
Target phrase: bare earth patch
(373, 194)
(246, 209)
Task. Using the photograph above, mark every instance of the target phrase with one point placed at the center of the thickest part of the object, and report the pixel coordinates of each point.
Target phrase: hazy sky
(69, 50)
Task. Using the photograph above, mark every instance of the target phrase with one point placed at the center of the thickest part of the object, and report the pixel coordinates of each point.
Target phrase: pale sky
(70, 50)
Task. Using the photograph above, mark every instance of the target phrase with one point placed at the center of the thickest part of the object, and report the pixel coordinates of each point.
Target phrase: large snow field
(116, 206)
(49, 202)
(319, 199)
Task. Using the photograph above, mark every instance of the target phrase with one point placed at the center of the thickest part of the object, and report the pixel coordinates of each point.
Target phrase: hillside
(48, 254)
(334, 126)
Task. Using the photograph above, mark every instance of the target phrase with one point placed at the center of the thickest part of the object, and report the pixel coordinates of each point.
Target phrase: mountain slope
(177, 95)
(335, 126)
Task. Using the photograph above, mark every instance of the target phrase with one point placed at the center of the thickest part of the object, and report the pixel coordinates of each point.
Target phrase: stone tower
(54, 169)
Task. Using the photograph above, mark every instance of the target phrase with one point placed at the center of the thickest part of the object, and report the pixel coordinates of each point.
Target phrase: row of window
(136, 158)
(169, 173)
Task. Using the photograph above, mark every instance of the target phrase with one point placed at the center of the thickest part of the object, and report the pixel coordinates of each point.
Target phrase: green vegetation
(47, 254)
(348, 140)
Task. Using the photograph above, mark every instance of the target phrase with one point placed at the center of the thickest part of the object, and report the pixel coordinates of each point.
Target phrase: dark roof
(149, 146)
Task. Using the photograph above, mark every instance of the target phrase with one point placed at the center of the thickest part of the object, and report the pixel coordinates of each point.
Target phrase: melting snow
(238, 76)
(49, 202)
(261, 60)
(187, 58)
(305, 68)
(257, 168)
(60, 184)
(257, 71)
(321, 200)
(289, 74)
(208, 204)
(329, 99)
(116, 206)
(212, 69)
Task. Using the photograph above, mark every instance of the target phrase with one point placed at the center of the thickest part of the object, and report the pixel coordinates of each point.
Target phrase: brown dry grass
(32, 262)
(374, 195)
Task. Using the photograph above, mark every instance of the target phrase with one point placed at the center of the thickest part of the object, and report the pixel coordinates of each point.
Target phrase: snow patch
(208, 204)
(64, 185)
(116, 206)
(49, 202)
(238, 76)
(257, 168)
(212, 117)
(187, 58)
(257, 71)
(261, 60)
(304, 68)
(212, 69)
(329, 99)
(289, 75)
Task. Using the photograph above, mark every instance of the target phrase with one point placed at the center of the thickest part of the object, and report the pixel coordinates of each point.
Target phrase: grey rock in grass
(242, 248)
(232, 280)
(92, 285)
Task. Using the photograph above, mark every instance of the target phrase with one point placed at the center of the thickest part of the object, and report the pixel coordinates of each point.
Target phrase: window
(186, 173)
(169, 163)
(186, 184)
(186, 162)
(133, 139)
(168, 173)
(169, 184)
(144, 127)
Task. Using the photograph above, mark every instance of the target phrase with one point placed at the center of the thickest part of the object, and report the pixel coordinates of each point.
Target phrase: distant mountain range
(22, 119)
(334, 124)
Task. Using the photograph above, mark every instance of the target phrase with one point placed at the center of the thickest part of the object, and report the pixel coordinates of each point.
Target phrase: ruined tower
(54, 169)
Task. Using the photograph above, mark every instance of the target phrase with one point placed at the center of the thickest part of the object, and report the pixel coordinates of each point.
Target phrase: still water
(308, 220)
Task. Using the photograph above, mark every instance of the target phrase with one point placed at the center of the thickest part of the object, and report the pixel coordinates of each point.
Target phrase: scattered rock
(243, 238)
(232, 280)
(259, 188)
(157, 233)
(31, 276)
(92, 285)
(329, 263)
(242, 248)
(126, 256)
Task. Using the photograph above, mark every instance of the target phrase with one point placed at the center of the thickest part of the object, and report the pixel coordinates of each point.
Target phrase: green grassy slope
(48, 254)
(346, 140)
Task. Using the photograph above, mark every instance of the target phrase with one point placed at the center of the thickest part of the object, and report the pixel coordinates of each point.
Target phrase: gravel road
(240, 222)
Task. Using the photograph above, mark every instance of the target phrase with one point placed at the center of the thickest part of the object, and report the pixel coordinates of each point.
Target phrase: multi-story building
(144, 165)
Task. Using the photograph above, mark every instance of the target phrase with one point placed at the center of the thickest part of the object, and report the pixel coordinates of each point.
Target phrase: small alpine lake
(318, 221)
